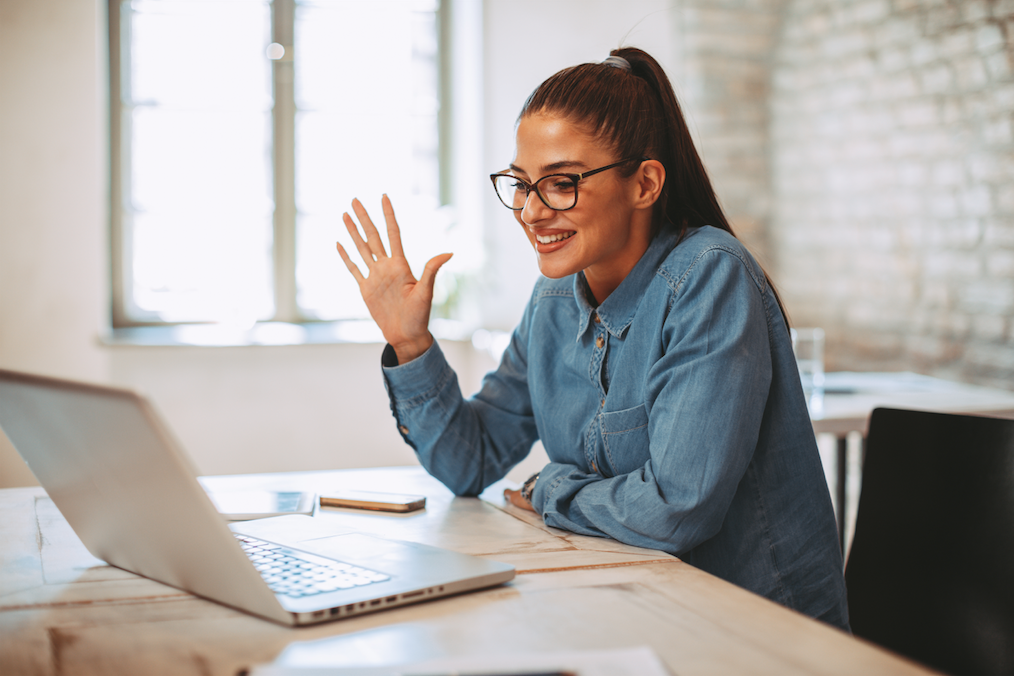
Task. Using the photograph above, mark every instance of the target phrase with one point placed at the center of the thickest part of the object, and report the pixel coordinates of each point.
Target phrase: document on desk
(641, 661)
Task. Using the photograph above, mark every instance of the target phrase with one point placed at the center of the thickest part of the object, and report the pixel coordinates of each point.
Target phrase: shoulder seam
(676, 285)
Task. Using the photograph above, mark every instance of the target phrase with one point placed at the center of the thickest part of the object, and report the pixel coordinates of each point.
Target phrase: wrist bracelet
(529, 486)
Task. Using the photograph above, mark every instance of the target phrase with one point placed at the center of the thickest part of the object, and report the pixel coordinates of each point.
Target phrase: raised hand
(397, 301)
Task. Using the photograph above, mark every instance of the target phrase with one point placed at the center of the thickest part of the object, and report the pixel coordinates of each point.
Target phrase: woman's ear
(650, 179)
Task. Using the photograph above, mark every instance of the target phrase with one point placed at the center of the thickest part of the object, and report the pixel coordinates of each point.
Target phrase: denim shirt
(672, 414)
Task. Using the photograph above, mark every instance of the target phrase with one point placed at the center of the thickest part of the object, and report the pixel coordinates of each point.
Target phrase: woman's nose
(534, 210)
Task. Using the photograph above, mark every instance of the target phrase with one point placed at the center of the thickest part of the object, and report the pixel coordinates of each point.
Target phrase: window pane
(366, 95)
(197, 108)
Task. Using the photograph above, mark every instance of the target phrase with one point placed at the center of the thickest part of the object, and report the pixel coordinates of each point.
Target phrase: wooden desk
(850, 398)
(64, 612)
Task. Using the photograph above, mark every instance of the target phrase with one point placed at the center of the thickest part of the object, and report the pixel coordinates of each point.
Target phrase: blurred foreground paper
(625, 662)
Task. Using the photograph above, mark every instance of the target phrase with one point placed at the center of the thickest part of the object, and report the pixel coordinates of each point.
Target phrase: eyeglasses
(557, 191)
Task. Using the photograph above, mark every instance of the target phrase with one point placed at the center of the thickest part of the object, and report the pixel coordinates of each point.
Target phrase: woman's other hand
(518, 500)
(397, 301)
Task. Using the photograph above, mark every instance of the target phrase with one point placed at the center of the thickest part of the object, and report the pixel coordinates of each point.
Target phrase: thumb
(429, 273)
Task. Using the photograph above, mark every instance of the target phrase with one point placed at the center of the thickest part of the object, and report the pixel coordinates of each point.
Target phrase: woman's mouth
(555, 237)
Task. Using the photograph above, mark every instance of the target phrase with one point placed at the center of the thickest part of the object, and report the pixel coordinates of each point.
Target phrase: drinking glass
(808, 345)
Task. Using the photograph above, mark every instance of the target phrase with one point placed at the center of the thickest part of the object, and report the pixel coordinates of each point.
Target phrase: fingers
(376, 246)
(393, 231)
(350, 265)
(357, 239)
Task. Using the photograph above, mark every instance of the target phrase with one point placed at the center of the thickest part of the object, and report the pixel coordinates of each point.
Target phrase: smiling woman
(607, 230)
(653, 360)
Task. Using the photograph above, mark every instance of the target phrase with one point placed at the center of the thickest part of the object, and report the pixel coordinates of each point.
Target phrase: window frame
(123, 314)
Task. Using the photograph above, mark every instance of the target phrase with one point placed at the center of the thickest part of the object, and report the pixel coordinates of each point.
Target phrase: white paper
(641, 661)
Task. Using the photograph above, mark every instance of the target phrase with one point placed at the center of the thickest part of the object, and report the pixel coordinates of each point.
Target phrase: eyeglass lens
(557, 192)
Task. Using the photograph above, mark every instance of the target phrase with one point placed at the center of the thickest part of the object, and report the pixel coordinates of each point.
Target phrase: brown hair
(636, 112)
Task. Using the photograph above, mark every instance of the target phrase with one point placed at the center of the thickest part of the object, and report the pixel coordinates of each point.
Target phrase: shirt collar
(617, 311)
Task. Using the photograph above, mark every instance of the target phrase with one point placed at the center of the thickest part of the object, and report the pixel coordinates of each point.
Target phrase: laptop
(131, 494)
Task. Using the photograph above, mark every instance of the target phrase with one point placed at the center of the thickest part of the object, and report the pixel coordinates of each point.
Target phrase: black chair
(931, 571)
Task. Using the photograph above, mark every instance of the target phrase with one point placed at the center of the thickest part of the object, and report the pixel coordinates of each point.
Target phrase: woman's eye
(563, 185)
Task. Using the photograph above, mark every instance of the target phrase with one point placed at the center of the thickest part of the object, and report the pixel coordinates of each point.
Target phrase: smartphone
(258, 504)
(382, 502)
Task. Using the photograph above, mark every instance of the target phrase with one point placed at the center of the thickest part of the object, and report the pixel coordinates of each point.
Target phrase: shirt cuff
(547, 481)
(418, 376)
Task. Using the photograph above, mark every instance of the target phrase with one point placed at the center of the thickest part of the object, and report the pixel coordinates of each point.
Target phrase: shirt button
(602, 403)
(595, 467)
(403, 429)
(598, 320)
(599, 342)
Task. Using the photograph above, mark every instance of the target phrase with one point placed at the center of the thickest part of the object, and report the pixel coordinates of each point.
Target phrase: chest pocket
(625, 438)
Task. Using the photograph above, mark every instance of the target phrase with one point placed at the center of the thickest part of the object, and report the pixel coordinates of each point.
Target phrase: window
(242, 129)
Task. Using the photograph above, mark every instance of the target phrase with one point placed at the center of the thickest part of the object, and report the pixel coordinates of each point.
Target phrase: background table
(64, 612)
(850, 397)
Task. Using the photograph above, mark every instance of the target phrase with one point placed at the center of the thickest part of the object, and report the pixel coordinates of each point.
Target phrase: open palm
(397, 301)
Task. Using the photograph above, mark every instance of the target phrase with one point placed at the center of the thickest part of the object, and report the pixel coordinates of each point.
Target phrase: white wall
(53, 203)
(526, 41)
(278, 408)
(244, 409)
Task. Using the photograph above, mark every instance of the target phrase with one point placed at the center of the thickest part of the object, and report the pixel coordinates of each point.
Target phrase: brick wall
(724, 83)
(891, 149)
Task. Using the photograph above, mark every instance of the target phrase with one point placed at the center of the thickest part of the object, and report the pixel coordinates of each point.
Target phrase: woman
(653, 359)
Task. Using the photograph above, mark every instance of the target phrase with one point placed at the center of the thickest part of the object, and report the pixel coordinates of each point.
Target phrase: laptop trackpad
(324, 538)
(366, 550)
(289, 530)
(318, 536)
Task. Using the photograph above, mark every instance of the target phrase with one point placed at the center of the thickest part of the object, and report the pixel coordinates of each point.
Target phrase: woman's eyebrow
(554, 167)
(565, 164)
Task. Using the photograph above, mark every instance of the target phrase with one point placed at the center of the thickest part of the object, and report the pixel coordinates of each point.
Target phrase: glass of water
(808, 345)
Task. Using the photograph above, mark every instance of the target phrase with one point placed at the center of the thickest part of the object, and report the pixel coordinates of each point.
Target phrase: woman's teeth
(549, 239)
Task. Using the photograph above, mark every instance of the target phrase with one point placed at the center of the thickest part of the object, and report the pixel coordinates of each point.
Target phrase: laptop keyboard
(299, 574)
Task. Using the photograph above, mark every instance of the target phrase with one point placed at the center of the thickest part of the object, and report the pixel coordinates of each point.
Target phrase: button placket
(600, 358)
(592, 435)
(601, 343)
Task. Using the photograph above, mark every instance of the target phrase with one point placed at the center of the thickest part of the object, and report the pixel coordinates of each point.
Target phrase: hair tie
(617, 62)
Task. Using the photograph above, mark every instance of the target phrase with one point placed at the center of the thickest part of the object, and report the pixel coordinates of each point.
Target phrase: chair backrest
(931, 571)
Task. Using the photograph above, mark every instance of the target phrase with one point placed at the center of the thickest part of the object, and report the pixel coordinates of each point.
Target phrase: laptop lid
(125, 486)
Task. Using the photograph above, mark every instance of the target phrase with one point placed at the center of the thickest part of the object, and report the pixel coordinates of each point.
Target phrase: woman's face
(606, 233)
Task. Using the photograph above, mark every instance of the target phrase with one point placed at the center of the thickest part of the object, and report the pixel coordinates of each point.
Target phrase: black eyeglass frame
(529, 187)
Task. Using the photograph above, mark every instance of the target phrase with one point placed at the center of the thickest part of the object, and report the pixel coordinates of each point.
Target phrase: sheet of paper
(641, 661)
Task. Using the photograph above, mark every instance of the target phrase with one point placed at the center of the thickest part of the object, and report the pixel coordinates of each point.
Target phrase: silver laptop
(131, 494)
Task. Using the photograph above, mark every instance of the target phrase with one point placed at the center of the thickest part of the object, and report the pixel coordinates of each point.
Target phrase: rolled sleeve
(466, 444)
(414, 385)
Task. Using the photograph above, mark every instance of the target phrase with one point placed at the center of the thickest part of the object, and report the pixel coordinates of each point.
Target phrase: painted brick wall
(724, 84)
(892, 182)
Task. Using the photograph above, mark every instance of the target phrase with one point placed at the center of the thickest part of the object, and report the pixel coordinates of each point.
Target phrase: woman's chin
(555, 269)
